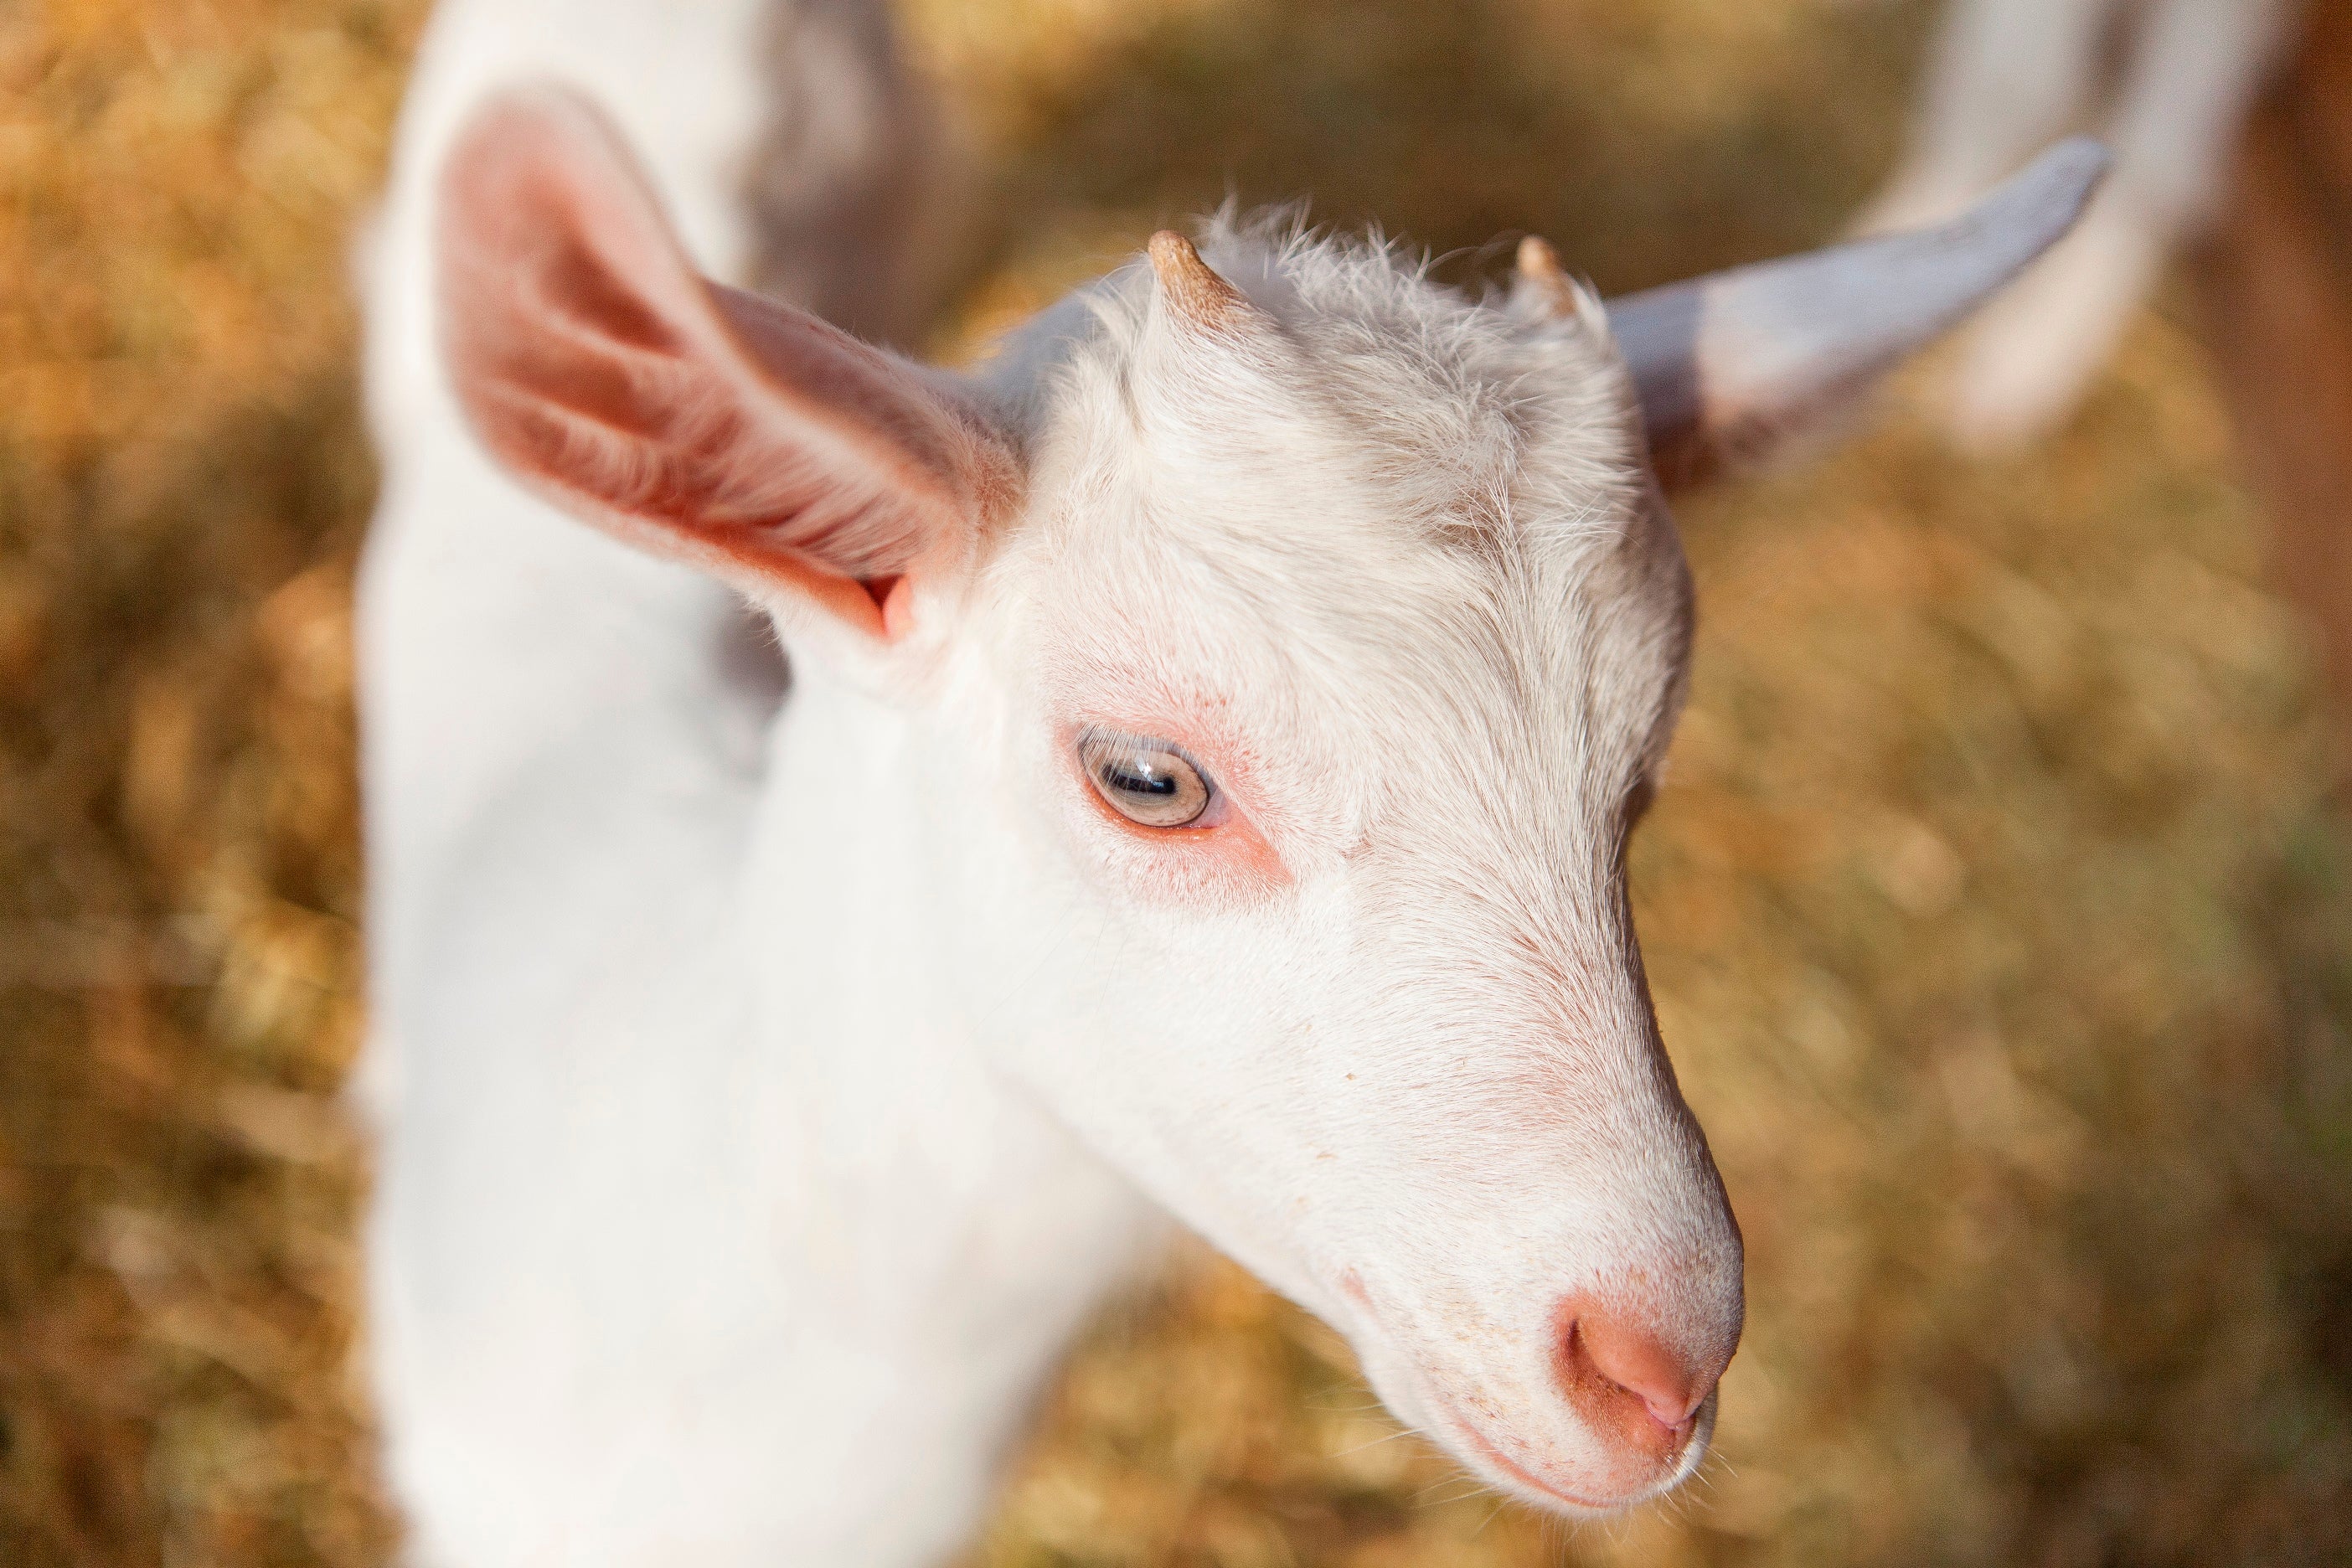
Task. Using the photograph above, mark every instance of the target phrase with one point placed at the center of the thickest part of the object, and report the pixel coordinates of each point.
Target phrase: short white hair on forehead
(1477, 415)
(1354, 445)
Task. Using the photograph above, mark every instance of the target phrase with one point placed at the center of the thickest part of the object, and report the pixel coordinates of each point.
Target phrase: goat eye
(1147, 782)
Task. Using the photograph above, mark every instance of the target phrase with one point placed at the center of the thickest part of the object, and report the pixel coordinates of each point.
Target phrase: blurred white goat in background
(2166, 84)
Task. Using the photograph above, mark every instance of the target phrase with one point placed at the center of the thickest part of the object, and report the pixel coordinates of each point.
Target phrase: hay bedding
(1994, 904)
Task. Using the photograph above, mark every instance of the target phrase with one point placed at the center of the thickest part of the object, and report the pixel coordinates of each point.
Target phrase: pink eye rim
(1148, 782)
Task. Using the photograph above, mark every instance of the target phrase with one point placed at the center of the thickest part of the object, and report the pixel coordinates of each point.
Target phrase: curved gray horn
(1726, 363)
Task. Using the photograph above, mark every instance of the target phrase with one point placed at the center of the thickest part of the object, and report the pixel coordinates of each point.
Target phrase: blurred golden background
(1997, 902)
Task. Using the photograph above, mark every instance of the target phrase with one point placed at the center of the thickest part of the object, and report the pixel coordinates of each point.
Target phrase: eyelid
(1141, 741)
(1216, 809)
(1221, 852)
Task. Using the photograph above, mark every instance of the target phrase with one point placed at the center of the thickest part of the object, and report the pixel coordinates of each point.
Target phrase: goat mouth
(1478, 1443)
(1416, 1400)
(1515, 1469)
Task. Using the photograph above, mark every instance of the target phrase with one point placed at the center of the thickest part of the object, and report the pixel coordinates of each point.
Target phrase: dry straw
(1995, 903)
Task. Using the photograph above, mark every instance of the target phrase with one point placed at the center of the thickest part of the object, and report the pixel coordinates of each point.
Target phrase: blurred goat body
(2167, 83)
(1213, 731)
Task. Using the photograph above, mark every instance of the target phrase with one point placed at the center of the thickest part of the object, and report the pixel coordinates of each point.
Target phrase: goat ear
(693, 419)
(1727, 365)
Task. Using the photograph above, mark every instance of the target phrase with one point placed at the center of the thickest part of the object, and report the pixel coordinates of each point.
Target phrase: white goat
(1212, 733)
(2168, 83)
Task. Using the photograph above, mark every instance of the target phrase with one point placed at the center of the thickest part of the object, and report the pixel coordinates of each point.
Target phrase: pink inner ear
(696, 420)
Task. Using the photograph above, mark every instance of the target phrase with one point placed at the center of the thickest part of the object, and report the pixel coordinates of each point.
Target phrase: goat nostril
(1625, 1379)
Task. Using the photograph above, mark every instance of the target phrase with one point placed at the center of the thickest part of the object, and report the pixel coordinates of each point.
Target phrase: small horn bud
(1539, 263)
(1191, 286)
(1542, 276)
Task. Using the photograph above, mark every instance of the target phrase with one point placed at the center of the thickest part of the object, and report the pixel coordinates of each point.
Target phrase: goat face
(1327, 666)
(1286, 647)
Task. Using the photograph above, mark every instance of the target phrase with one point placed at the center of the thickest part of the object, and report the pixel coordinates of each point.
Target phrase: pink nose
(1635, 1384)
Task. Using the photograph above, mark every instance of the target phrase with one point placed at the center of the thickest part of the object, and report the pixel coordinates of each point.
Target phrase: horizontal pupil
(1136, 780)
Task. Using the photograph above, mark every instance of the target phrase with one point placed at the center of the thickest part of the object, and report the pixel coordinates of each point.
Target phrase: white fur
(767, 1089)
(2006, 76)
